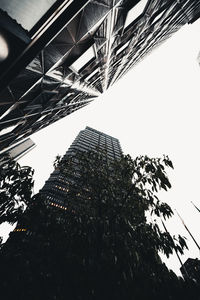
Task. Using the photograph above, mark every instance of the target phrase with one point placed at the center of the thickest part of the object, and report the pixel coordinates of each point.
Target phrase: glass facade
(56, 187)
(84, 48)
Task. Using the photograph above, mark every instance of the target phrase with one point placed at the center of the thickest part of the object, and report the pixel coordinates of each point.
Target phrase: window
(122, 48)
(135, 12)
(95, 72)
(83, 59)
(8, 129)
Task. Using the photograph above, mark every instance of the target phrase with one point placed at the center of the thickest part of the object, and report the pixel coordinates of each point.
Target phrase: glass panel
(83, 59)
(26, 12)
(135, 12)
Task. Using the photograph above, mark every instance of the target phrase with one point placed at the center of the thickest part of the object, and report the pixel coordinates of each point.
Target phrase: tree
(126, 188)
(102, 246)
(15, 189)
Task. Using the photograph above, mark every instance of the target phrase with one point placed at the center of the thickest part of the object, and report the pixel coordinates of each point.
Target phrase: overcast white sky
(153, 110)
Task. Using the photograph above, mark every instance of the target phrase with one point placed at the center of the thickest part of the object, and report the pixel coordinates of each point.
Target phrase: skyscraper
(56, 187)
(62, 57)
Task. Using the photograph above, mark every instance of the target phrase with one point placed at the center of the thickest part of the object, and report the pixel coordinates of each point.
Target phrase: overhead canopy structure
(74, 52)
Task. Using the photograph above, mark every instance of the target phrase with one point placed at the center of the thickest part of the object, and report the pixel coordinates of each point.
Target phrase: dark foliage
(101, 247)
(15, 189)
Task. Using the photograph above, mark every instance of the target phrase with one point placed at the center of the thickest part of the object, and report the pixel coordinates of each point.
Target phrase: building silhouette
(191, 269)
(59, 57)
(56, 188)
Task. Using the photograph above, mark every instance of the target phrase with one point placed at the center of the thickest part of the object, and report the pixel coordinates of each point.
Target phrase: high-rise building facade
(55, 189)
(62, 57)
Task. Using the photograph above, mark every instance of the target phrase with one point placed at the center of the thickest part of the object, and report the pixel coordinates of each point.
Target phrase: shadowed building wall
(192, 266)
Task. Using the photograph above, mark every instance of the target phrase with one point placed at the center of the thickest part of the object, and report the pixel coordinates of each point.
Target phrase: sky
(153, 110)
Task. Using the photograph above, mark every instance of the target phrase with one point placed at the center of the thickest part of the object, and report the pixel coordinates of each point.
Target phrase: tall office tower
(58, 56)
(19, 150)
(56, 187)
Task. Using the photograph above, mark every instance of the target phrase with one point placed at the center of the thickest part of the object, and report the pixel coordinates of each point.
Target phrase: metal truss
(83, 54)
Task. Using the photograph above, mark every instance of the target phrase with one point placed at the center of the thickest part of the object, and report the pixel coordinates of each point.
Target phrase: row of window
(57, 205)
(103, 138)
(62, 188)
(91, 144)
